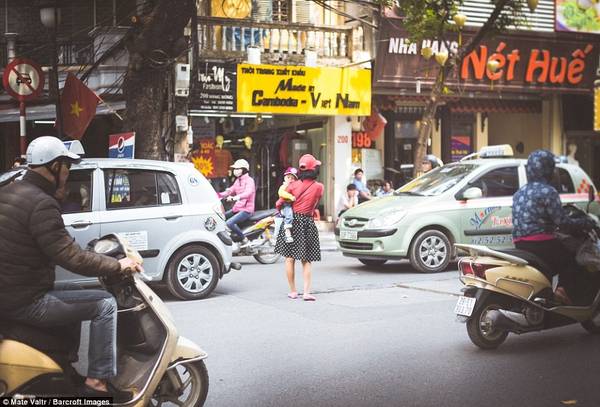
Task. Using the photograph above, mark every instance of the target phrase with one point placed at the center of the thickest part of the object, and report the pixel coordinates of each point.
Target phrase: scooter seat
(533, 260)
(50, 340)
(258, 215)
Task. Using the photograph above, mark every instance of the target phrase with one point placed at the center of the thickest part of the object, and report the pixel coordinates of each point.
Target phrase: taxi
(464, 202)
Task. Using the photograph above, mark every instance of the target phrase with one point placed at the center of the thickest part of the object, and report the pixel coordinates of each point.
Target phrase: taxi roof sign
(499, 151)
(75, 147)
(502, 150)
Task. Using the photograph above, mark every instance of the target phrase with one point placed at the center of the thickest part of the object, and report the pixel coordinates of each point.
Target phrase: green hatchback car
(464, 202)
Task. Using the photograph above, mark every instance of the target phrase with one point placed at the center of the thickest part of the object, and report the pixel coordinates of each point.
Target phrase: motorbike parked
(505, 292)
(154, 362)
(260, 231)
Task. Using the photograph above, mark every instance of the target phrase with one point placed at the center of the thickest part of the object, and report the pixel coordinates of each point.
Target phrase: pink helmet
(291, 171)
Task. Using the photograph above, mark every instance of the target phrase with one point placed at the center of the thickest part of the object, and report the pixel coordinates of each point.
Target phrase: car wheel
(192, 273)
(372, 263)
(430, 251)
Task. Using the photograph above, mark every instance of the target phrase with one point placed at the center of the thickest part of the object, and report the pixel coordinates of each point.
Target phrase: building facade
(275, 80)
(540, 96)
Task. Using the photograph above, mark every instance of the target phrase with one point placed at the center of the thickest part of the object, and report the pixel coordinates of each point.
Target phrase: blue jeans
(234, 218)
(68, 304)
(288, 213)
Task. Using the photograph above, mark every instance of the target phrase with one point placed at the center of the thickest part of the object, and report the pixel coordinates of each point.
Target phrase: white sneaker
(244, 243)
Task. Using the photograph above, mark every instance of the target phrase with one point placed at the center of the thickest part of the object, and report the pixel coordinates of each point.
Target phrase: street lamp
(50, 17)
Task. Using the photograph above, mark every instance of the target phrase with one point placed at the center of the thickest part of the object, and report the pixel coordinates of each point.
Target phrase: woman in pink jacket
(242, 192)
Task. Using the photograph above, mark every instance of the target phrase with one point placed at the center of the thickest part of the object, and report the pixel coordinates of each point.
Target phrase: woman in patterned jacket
(537, 214)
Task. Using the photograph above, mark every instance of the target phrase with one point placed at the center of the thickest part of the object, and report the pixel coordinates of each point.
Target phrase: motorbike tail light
(470, 267)
(465, 267)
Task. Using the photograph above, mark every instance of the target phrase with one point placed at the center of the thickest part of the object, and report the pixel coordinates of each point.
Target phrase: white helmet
(44, 150)
(241, 164)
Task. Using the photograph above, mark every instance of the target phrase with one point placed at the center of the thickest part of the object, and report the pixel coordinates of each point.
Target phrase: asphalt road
(374, 337)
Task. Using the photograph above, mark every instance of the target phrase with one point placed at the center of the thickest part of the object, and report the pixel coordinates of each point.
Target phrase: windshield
(437, 181)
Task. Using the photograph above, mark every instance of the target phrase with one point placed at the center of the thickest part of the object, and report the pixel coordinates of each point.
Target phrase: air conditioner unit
(182, 80)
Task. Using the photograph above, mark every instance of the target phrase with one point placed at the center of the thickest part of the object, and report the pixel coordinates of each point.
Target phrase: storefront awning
(495, 106)
(48, 112)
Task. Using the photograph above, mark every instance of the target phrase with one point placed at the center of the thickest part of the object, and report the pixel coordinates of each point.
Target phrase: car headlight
(386, 219)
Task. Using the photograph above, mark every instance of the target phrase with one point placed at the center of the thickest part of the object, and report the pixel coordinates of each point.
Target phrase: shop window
(78, 192)
(562, 181)
(281, 10)
(461, 136)
(498, 182)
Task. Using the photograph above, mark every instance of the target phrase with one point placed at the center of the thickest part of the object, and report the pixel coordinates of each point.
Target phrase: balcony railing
(69, 52)
(230, 37)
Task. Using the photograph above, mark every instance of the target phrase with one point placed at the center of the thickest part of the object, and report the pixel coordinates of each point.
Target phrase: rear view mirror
(472, 193)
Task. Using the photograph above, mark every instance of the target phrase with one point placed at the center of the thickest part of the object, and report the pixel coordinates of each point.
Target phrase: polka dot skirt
(305, 246)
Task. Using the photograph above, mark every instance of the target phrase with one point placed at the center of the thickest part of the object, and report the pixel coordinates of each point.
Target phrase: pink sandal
(293, 295)
(308, 297)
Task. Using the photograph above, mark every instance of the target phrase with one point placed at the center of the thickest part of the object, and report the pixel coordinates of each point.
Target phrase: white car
(168, 211)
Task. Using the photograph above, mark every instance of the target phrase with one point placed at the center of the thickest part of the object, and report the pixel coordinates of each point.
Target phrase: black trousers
(558, 257)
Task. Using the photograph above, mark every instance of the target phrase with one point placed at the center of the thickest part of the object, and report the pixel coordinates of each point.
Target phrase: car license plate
(349, 235)
(465, 306)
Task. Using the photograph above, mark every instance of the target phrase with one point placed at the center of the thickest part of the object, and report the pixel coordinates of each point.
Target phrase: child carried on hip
(290, 175)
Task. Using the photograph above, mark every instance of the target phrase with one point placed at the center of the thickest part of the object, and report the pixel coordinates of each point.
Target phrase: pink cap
(308, 162)
(291, 171)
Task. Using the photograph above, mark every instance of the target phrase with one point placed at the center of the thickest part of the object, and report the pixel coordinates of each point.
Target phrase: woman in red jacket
(305, 246)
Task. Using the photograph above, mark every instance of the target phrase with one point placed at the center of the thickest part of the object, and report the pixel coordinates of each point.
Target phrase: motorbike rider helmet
(47, 149)
(241, 164)
(433, 160)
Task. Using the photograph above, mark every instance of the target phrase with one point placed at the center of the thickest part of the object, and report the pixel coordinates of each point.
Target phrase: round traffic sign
(23, 79)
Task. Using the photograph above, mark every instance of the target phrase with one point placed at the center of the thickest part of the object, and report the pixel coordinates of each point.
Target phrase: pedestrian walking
(305, 248)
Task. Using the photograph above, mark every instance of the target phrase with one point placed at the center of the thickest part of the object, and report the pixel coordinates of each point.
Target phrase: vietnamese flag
(77, 106)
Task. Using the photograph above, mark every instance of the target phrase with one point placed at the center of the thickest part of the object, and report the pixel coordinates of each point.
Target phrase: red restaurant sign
(526, 62)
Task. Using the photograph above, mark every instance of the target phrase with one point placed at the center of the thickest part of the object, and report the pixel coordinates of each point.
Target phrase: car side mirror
(591, 194)
(472, 193)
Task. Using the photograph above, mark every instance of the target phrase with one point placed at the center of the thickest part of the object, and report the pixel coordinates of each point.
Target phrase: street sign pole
(23, 79)
(23, 127)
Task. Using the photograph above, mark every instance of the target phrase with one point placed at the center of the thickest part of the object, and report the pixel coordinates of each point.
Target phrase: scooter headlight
(105, 246)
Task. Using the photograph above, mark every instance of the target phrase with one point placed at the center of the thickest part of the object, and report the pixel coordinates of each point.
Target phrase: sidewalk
(327, 241)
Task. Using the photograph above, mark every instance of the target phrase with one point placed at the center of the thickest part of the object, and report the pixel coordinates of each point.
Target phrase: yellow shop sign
(303, 90)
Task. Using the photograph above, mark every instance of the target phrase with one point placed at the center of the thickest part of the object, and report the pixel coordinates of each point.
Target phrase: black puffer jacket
(33, 239)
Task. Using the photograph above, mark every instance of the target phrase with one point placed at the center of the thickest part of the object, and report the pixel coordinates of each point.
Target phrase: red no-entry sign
(23, 79)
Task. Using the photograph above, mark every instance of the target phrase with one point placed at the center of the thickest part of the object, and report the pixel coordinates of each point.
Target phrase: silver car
(168, 211)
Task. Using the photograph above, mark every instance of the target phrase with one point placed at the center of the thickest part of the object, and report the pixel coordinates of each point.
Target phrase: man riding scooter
(33, 239)
(537, 213)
